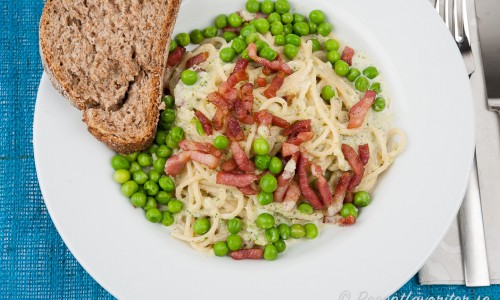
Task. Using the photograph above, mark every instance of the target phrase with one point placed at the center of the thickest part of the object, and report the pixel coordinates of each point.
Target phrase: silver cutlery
(473, 246)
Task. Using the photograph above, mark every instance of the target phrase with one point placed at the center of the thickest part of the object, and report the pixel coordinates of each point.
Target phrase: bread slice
(107, 57)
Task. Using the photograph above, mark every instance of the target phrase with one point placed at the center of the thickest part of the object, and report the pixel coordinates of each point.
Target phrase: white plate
(413, 203)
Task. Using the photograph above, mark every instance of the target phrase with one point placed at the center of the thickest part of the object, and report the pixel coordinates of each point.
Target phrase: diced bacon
(323, 188)
(261, 82)
(298, 126)
(207, 159)
(267, 71)
(277, 65)
(358, 112)
(263, 118)
(202, 147)
(356, 164)
(350, 220)
(243, 108)
(231, 95)
(175, 56)
(241, 158)
(306, 190)
(364, 153)
(237, 180)
(238, 75)
(347, 55)
(288, 149)
(196, 60)
(219, 118)
(275, 85)
(240, 65)
(285, 178)
(300, 138)
(177, 162)
(292, 196)
(229, 165)
(277, 121)
(339, 194)
(254, 253)
(242, 114)
(206, 124)
(248, 190)
(234, 131)
(218, 100)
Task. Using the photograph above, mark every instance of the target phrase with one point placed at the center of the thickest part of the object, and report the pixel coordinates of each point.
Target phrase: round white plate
(413, 205)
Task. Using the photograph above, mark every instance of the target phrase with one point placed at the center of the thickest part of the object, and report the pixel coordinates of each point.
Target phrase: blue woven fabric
(35, 263)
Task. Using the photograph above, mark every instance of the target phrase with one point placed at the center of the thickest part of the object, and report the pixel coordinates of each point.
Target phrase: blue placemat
(35, 263)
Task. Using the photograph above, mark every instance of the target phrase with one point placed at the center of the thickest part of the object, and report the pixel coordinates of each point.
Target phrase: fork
(454, 14)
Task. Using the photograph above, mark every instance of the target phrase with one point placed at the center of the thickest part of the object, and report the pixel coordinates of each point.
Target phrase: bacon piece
(300, 138)
(263, 117)
(243, 108)
(227, 88)
(358, 112)
(275, 85)
(229, 165)
(292, 196)
(234, 131)
(218, 100)
(241, 158)
(286, 177)
(288, 149)
(355, 162)
(277, 64)
(267, 71)
(202, 147)
(261, 82)
(347, 55)
(277, 121)
(364, 153)
(237, 180)
(306, 190)
(248, 190)
(222, 109)
(207, 159)
(219, 118)
(350, 220)
(254, 253)
(196, 60)
(298, 126)
(175, 56)
(206, 124)
(240, 65)
(339, 194)
(323, 188)
(177, 162)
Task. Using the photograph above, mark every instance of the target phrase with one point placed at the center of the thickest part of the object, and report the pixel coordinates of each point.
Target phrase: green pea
(297, 231)
(167, 218)
(260, 45)
(234, 20)
(280, 246)
(285, 231)
(221, 21)
(252, 38)
(370, 72)
(327, 92)
(134, 167)
(361, 84)
(227, 54)
(160, 137)
(166, 183)
(287, 29)
(361, 199)
(175, 206)
(140, 177)
(183, 39)
(305, 208)
(268, 53)
(316, 45)
(287, 18)
(274, 17)
(268, 183)
(379, 104)
(234, 242)
(267, 6)
(262, 162)
(252, 6)
(221, 142)
(245, 55)
(260, 146)
(313, 28)
(229, 36)
(177, 134)
(247, 30)
(272, 234)
(301, 28)
(264, 198)
(375, 87)
(138, 199)
(170, 142)
(262, 25)
(234, 225)
(173, 45)
(279, 40)
(159, 166)
(196, 36)
(238, 45)
(119, 162)
(353, 74)
(210, 31)
(311, 231)
(298, 18)
(221, 248)
(121, 176)
(349, 209)
(293, 39)
(291, 51)
(317, 16)
(201, 226)
(154, 215)
(129, 188)
(132, 156)
(169, 101)
(163, 151)
(153, 176)
(324, 28)
(145, 159)
(333, 56)
(270, 251)
(341, 68)
(168, 115)
(331, 45)
(282, 6)
(151, 187)
(275, 166)
(150, 204)
(189, 77)
(265, 221)
(276, 28)
(163, 197)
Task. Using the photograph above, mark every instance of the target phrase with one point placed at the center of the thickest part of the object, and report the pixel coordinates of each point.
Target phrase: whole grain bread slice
(107, 57)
